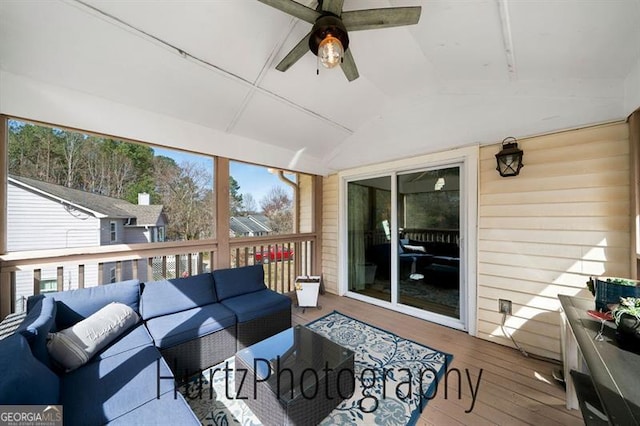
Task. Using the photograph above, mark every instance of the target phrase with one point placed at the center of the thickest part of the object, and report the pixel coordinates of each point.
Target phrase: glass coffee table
(294, 377)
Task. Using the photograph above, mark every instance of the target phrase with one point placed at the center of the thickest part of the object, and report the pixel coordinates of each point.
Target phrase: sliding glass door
(369, 237)
(429, 235)
(403, 241)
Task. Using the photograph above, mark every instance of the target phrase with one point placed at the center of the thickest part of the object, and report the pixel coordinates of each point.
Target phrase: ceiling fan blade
(348, 66)
(333, 6)
(294, 9)
(370, 19)
(296, 53)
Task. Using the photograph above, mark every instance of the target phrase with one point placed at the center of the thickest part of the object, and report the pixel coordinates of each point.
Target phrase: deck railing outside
(23, 274)
(372, 238)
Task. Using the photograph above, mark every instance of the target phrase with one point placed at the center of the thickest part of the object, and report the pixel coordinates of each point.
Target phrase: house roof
(96, 204)
(249, 224)
(149, 215)
(467, 73)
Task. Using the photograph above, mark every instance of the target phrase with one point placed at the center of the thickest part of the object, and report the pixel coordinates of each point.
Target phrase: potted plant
(627, 317)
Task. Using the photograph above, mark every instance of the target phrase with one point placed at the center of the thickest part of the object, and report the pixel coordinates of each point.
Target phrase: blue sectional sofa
(185, 325)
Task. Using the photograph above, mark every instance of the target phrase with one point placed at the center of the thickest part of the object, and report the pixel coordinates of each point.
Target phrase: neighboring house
(43, 216)
(255, 225)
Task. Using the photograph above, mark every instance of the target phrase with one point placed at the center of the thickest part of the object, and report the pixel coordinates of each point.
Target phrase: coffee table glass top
(296, 357)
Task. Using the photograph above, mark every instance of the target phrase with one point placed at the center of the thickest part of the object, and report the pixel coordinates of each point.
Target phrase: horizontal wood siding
(105, 231)
(330, 232)
(35, 222)
(135, 235)
(305, 195)
(543, 233)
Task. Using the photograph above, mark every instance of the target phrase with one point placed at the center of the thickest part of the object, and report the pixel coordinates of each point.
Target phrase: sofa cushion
(236, 281)
(36, 326)
(167, 410)
(135, 338)
(76, 305)
(258, 304)
(74, 346)
(102, 391)
(178, 294)
(24, 379)
(173, 329)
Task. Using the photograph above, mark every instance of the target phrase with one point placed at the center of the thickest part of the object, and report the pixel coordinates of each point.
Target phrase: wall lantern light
(509, 158)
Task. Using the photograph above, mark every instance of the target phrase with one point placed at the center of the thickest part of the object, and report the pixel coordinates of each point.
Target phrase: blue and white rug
(394, 379)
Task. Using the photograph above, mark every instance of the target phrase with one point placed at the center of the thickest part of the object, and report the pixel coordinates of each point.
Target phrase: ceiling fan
(329, 39)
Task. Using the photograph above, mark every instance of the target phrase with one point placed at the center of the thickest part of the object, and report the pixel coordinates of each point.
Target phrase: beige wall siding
(543, 233)
(305, 193)
(330, 204)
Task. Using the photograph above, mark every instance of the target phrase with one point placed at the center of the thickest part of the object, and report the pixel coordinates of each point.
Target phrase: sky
(255, 180)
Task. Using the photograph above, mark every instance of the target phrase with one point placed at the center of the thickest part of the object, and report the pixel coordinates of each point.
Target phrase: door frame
(467, 159)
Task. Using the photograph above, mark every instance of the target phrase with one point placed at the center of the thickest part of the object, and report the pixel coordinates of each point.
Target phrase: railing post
(80, 276)
(37, 276)
(60, 278)
(118, 271)
(200, 263)
(178, 268)
(134, 269)
(7, 304)
(150, 269)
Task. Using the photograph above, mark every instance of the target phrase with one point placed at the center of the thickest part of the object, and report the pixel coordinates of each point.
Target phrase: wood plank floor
(513, 390)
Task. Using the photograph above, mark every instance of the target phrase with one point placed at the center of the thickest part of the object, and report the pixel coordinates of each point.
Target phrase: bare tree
(186, 194)
(277, 206)
(249, 204)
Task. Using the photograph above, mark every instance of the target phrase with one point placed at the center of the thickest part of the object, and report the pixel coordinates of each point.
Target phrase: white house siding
(543, 233)
(330, 233)
(31, 217)
(24, 279)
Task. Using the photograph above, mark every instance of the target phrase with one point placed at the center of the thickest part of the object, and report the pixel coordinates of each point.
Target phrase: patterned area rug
(394, 377)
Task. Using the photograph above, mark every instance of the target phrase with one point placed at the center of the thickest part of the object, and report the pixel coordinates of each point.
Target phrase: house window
(48, 286)
(161, 233)
(113, 231)
(112, 275)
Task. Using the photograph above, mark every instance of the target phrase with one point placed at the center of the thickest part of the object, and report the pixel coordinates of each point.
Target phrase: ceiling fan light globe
(330, 51)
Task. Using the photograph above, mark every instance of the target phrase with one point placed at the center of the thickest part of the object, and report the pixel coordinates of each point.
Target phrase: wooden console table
(602, 379)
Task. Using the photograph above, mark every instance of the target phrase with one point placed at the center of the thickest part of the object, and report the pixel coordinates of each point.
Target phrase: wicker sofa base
(193, 356)
(253, 331)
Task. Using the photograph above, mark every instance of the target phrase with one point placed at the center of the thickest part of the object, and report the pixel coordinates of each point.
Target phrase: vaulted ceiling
(200, 75)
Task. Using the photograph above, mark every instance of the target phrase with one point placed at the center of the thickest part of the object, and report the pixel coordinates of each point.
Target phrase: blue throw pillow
(236, 281)
(76, 305)
(35, 327)
(176, 295)
(24, 379)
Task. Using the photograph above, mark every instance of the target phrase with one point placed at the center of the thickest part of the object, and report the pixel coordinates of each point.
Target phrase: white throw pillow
(415, 248)
(74, 346)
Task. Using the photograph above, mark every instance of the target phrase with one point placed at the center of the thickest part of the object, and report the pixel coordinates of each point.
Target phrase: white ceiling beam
(507, 40)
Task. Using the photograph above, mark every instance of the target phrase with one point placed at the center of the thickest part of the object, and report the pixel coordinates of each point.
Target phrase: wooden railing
(372, 238)
(283, 257)
(23, 273)
(432, 235)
